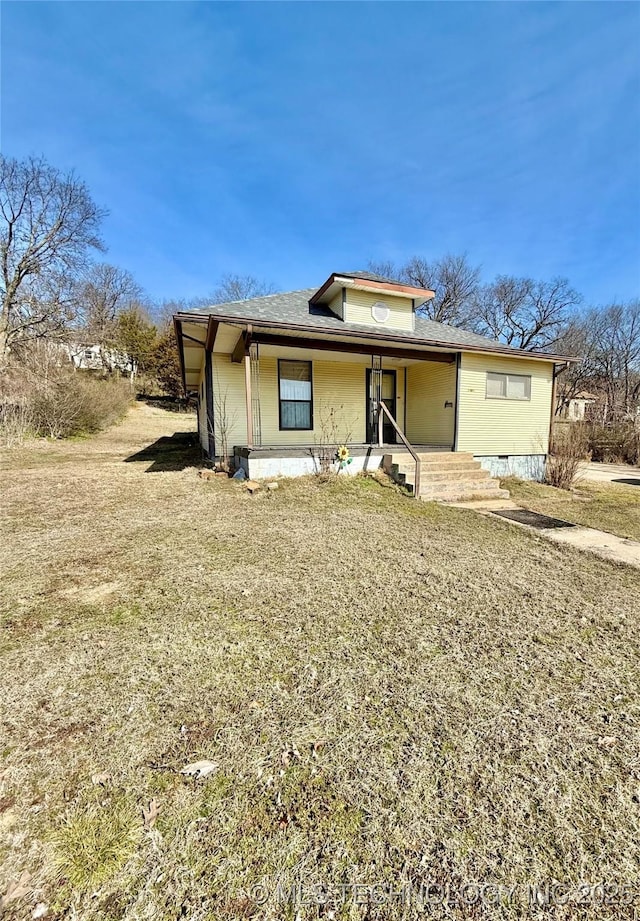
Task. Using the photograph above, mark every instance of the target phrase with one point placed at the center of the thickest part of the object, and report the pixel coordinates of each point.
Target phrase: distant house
(576, 409)
(279, 377)
(92, 357)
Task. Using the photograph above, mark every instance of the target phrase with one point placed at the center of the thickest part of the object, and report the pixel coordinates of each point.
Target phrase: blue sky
(289, 140)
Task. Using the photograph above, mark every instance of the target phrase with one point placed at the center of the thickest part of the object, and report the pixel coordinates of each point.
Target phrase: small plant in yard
(566, 453)
(93, 842)
(225, 422)
(333, 431)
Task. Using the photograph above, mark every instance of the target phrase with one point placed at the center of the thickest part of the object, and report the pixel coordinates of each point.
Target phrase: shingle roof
(370, 276)
(292, 308)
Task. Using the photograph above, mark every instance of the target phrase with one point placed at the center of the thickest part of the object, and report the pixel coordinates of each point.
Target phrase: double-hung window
(296, 394)
(508, 386)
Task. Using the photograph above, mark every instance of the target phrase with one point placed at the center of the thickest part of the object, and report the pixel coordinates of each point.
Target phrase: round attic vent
(380, 312)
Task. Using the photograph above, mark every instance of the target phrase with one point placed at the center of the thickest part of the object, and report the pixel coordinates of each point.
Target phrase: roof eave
(362, 334)
(344, 280)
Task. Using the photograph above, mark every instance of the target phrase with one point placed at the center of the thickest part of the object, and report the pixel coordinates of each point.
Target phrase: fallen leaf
(16, 890)
(199, 769)
(289, 755)
(150, 814)
(101, 779)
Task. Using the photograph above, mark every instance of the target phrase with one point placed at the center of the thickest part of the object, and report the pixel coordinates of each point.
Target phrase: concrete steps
(444, 477)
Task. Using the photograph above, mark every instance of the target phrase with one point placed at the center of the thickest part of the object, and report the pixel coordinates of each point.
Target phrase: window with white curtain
(508, 386)
(296, 395)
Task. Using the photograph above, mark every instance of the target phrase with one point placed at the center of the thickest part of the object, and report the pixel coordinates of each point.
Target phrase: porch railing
(383, 410)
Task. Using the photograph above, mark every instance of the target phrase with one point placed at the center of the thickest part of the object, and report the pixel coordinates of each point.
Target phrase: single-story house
(281, 380)
(577, 408)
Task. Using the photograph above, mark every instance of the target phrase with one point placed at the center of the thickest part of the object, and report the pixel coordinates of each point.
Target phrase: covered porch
(281, 402)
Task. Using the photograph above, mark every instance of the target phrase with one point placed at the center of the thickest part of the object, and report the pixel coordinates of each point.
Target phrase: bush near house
(610, 443)
(615, 443)
(568, 448)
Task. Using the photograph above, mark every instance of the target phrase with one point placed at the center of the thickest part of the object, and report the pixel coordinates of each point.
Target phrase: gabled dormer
(370, 300)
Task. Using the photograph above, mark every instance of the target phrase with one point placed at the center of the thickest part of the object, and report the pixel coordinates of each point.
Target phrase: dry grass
(393, 692)
(609, 506)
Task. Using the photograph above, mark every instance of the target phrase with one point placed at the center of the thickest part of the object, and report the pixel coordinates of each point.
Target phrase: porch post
(456, 408)
(209, 406)
(247, 390)
(377, 388)
(212, 330)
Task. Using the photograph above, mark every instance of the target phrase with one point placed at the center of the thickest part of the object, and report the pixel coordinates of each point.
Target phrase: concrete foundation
(261, 464)
(524, 466)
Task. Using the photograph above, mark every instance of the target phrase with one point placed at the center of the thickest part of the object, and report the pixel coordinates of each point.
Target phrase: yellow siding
(358, 309)
(430, 385)
(491, 427)
(229, 402)
(335, 306)
(337, 384)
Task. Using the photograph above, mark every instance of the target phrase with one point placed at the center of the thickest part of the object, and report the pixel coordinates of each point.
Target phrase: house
(282, 379)
(577, 408)
(93, 357)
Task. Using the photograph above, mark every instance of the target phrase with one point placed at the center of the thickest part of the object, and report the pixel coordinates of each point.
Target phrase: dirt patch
(93, 594)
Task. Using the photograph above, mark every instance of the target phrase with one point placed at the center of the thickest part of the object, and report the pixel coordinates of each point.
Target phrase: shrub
(566, 452)
(15, 422)
(58, 403)
(618, 442)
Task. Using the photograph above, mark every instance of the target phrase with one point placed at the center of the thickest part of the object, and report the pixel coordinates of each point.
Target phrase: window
(508, 386)
(296, 400)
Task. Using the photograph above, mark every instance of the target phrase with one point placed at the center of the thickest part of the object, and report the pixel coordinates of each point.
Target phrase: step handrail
(383, 408)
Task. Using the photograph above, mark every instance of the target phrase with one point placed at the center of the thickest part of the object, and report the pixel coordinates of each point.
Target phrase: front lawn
(611, 507)
(391, 693)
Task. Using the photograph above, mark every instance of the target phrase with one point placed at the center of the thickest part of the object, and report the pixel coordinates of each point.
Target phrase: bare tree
(44, 308)
(616, 355)
(239, 288)
(162, 312)
(48, 223)
(453, 279)
(103, 292)
(524, 313)
(575, 340)
(385, 268)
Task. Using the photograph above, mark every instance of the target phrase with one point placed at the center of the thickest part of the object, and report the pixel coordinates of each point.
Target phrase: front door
(386, 382)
